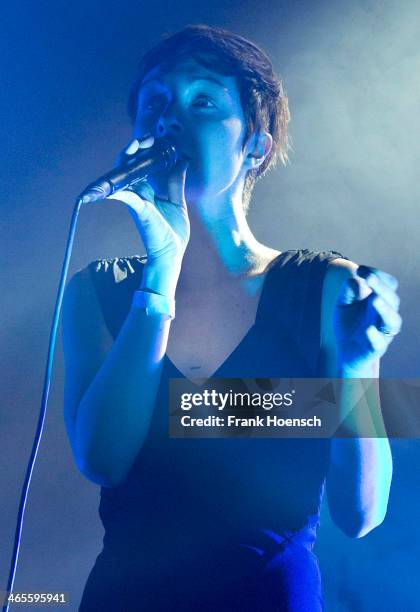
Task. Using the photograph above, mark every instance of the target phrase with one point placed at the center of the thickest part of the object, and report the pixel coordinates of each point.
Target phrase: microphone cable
(45, 393)
(133, 169)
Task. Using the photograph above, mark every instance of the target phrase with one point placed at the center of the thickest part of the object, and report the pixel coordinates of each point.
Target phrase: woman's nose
(169, 122)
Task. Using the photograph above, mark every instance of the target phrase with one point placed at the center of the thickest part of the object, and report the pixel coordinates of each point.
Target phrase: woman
(215, 524)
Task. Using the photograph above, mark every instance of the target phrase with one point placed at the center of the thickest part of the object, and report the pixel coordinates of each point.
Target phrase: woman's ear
(259, 147)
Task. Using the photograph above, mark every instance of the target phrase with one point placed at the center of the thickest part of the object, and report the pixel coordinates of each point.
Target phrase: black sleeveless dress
(219, 524)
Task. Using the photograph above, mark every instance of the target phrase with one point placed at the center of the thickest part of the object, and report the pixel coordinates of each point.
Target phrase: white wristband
(154, 303)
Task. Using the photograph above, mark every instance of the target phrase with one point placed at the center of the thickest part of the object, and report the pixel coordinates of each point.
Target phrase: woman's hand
(163, 224)
(365, 324)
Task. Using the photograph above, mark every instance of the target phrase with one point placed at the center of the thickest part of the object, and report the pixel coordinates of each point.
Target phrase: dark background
(351, 70)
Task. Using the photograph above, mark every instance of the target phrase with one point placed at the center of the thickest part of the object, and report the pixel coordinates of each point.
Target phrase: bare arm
(360, 473)
(111, 387)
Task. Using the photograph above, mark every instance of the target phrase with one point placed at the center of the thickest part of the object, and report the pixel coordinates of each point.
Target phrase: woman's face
(200, 112)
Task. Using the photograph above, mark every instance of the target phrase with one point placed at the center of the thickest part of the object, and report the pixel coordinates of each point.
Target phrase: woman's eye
(203, 102)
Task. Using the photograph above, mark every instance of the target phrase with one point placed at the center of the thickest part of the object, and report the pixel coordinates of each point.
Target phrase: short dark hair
(263, 99)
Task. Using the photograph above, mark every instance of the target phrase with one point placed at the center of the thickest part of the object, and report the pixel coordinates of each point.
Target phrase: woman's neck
(221, 249)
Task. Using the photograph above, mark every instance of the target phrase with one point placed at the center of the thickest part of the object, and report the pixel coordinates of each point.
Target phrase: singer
(216, 524)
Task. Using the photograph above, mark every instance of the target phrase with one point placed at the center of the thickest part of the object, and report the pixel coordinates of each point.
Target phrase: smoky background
(351, 71)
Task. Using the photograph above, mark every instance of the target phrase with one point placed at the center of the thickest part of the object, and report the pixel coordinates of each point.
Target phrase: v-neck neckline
(270, 267)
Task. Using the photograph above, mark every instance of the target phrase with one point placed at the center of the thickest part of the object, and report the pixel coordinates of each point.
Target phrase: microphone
(159, 157)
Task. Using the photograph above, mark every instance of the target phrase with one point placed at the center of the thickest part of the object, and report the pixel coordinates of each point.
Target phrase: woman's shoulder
(116, 269)
(109, 283)
(109, 277)
(306, 265)
(300, 256)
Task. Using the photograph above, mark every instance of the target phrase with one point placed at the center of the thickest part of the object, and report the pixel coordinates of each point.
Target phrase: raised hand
(366, 318)
(163, 224)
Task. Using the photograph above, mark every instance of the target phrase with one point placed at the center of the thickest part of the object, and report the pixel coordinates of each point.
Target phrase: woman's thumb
(130, 198)
(351, 291)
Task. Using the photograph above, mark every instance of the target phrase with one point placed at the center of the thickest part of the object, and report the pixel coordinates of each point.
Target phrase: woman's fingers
(146, 141)
(143, 142)
(369, 272)
(377, 341)
(162, 223)
(132, 148)
(390, 320)
(351, 291)
(176, 177)
(382, 284)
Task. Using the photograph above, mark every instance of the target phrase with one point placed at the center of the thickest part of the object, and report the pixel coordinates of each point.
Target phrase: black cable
(45, 393)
